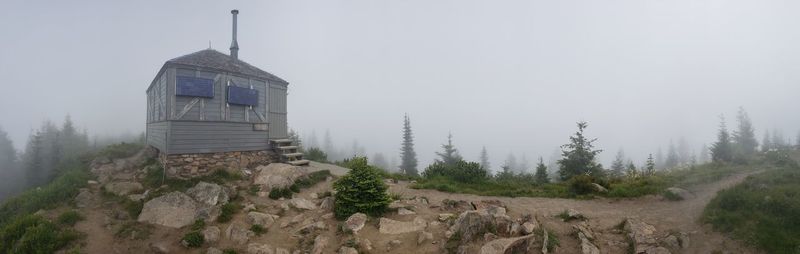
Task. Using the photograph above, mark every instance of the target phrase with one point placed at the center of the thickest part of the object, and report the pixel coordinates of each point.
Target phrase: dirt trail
(604, 214)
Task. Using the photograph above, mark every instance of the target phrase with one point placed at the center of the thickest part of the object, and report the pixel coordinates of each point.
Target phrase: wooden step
(288, 147)
(281, 141)
(299, 162)
(292, 155)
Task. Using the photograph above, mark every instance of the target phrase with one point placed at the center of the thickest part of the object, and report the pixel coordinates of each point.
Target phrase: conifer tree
(618, 165)
(485, 160)
(684, 155)
(578, 156)
(541, 172)
(8, 155)
(450, 155)
(744, 136)
(721, 151)
(327, 145)
(766, 145)
(408, 158)
(650, 166)
(704, 154)
(360, 190)
(631, 170)
(511, 162)
(777, 139)
(34, 158)
(672, 157)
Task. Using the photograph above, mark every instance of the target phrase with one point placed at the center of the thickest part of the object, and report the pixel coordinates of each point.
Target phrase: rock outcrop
(392, 227)
(303, 204)
(520, 244)
(643, 237)
(472, 224)
(238, 233)
(277, 175)
(174, 209)
(355, 222)
(208, 194)
(124, 188)
(262, 219)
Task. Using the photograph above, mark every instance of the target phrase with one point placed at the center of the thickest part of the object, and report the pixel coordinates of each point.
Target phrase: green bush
(34, 234)
(227, 212)
(462, 171)
(316, 154)
(361, 190)
(278, 193)
(198, 225)
(581, 184)
(258, 229)
(229, 251)
(193, 239)
(69, 218)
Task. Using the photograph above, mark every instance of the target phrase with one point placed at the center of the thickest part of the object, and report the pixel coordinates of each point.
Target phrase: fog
(514, 76)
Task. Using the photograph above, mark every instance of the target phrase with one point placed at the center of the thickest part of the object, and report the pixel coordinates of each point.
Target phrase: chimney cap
(234, 11)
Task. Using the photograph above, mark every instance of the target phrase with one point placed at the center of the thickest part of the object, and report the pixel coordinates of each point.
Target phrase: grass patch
(198, 225)
(301, 183)
(227, 212)
(552, 240)
(671, 196)
(494, 188)
(229, 251)
(258, 229)
(193, 239)
(35, 234)
(762, 211)
(69, 218)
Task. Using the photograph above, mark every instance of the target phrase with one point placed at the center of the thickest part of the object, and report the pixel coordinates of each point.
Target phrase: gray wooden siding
(211, 137)
(156, 101)
(278, 127)
(157, 135)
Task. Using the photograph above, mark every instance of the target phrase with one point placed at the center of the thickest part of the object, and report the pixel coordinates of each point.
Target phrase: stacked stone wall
(200, 164)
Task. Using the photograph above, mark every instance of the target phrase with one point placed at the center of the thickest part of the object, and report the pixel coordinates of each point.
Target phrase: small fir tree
(361, 190)
(618, 165)
(766, 144)
(408, 158)
(578, 157)
(631, 170)
(721, 151)
(485, 160)
(449, 155)
(744, 137)
(650, 166)
(541, 172)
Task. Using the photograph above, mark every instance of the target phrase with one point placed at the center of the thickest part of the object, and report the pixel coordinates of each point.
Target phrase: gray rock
(277, 175)
(583, 228)
(238, 233)
(424, 237)
(392, 244)
(263, 219)
(520, 244)
(643, 236)
(326, 204)
(503, 224)
(208, 194)
(393, 227)
(320, 243)
(174, 210)
(85, 198)
(404, 211)
(496, 210)
(529, 227)
(211, 234)
(678, 192)
(123, 188)
(355, 222)
(365, 244)
(282, 251)
(259, 248)
(587, 247)
(347, 250)
(599, 188)
(573, 214)
(445, 216)
(159, 247)
(303, 204)
(471, 224)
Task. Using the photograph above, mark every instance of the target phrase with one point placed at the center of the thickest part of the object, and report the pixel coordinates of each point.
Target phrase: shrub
(361, 190)
(258, 229)
(278, 193)
(227, 212)
(193, 239)
(461, 171)
(34, 234)
(198, 225)
(69, 218)
(316, 154)
(581, 184)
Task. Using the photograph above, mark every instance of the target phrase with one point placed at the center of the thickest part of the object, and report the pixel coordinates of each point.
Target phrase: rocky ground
(422, 221)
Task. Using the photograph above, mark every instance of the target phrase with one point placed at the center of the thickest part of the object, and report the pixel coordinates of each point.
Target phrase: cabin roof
(210, 58)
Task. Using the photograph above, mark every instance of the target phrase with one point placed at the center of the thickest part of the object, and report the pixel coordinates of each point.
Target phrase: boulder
(486, 204)
(174, 210)
(85, 198)
(572, 214)
(642, 235)
(445, 216)
(347, 250)
(320, 243)
(424, 237)
(679, 192)
(455, 205)
(599, 188)
(263, 219)
(326, 204)
(277, 175)
(496, 210)
(584, 229)
(393, 227)
(520, 244)
(303, 204)
(403, 211)
(471, 224)
(238, 233)
(529, 227)
(282, 251)
(211, 234)
(587, 247)
(503, 224)
(124, 188)
(355, 222)
(259, 248)
(208, 194)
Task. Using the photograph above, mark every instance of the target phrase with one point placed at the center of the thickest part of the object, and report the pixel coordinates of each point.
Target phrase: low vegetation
(763, 209)
(193, 239)
(361, 190)
(227, 211)
(121, 150)
(155, 179)
(35, 234)
(69, 218)
(304, 182)
(258, 229)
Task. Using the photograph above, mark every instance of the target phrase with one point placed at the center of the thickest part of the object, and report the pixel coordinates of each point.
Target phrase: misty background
(513, 76)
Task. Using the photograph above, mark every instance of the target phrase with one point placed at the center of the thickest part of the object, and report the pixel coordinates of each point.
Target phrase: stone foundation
(200, 164)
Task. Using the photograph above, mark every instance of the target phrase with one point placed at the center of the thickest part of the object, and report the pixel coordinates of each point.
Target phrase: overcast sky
(514, 76)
